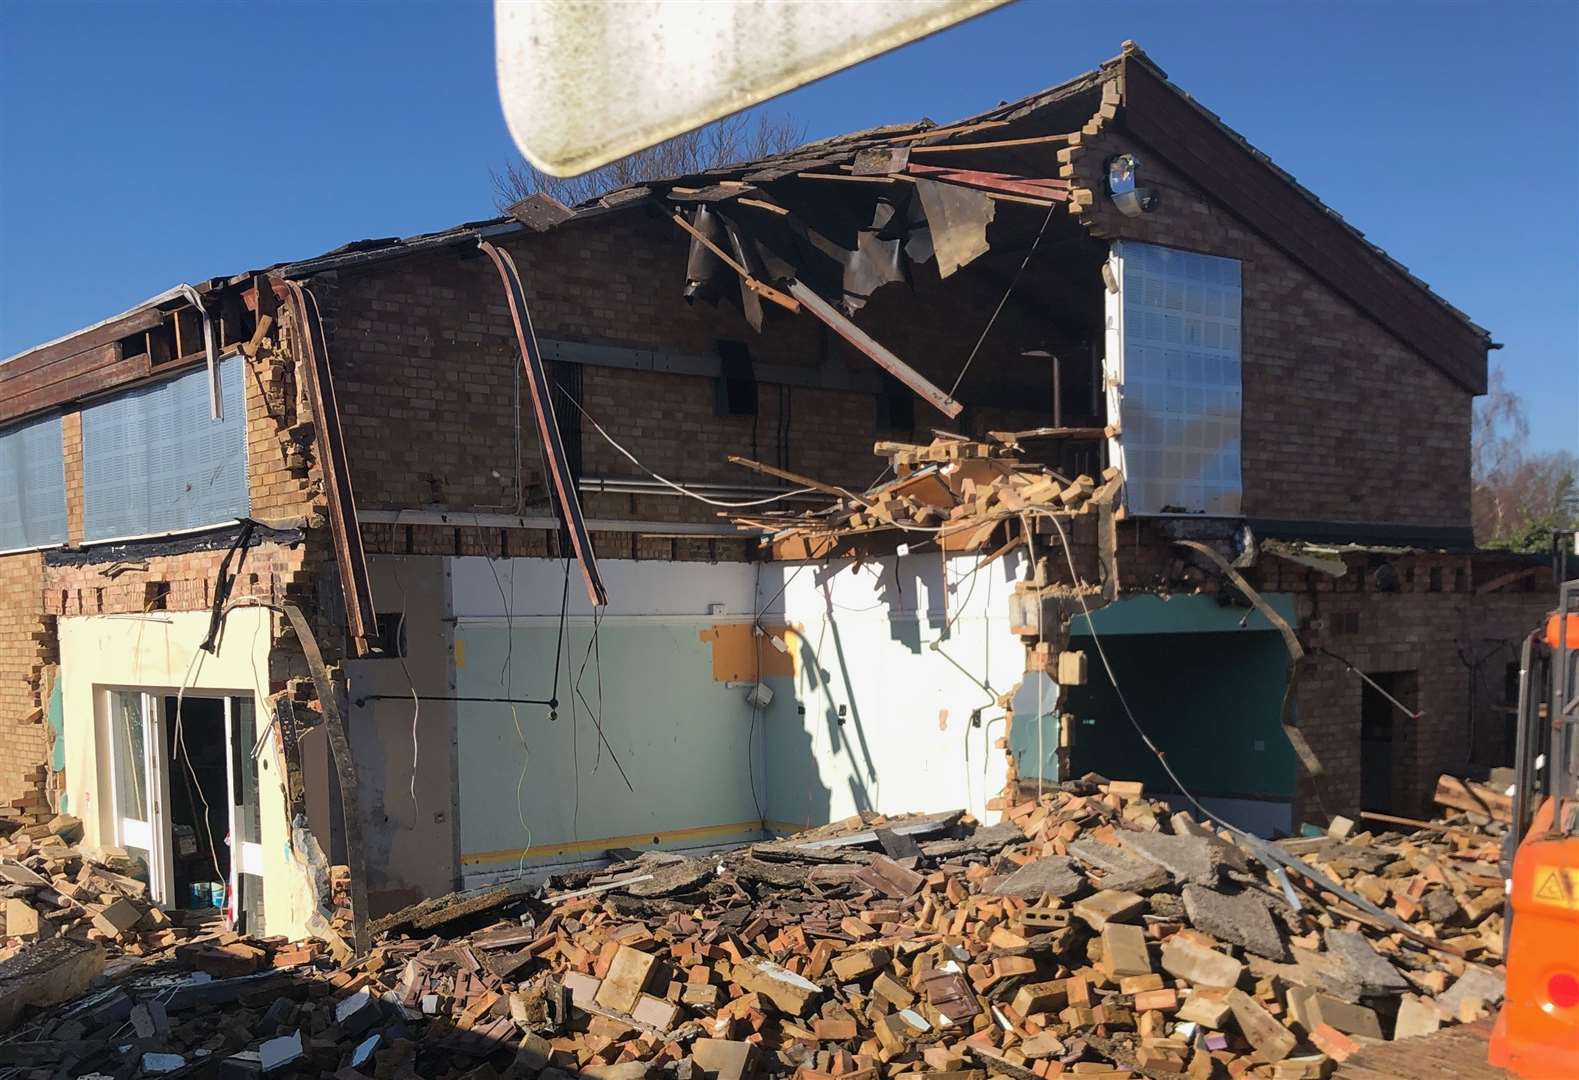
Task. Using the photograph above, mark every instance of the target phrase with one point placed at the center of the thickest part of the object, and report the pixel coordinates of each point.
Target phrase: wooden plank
(1001, 144)
(1231, 174)
(135, 323)
(885, 359)
(15, 406)
(1474, 798)
(83, 363)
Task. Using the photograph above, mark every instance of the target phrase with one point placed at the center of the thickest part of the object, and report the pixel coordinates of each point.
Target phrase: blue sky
(146, 144)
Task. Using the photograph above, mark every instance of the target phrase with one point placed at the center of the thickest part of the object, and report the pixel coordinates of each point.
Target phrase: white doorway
(185, 793)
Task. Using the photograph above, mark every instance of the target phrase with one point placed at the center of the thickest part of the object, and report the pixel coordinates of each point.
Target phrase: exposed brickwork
(71, 441)
(1434, 626)
(26, 643)
(33, 596)
(425, 345)
(1342, 421)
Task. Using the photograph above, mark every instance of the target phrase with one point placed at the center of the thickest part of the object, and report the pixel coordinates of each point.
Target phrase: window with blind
(155, 461)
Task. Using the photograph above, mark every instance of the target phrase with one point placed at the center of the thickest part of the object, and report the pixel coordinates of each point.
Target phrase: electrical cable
(1162, 759)
(1006, 294)
(416, 702)
(679, 488)
(180, 740)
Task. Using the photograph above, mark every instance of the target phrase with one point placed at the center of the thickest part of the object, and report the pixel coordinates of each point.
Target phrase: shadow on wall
(898, 660)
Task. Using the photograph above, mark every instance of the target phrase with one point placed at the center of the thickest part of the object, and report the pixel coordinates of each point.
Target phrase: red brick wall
(424, 346)
(32, 595)
(1437, 634)
(1342, 421)
(26, 642)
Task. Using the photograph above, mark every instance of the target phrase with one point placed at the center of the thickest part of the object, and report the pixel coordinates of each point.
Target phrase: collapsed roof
(927, 193)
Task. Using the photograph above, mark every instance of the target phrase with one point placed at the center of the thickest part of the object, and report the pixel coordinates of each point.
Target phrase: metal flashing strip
(203, 538)
(462, 518)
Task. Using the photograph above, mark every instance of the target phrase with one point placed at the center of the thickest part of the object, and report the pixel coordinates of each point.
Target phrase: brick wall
(26, 643)
(1342, 421)
(33, 595)
(424, 346)
(1435, 626)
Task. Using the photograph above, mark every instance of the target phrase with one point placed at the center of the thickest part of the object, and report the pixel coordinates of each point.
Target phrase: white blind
(154, 461)
(32, 485)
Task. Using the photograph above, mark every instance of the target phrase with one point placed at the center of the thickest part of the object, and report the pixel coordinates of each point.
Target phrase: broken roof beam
(839, 324)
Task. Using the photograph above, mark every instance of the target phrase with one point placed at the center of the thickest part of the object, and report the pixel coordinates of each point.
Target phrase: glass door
(136, 733)
(246, 833)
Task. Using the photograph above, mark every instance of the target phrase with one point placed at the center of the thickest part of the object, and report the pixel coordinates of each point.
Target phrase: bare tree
(1518, 499)
(741, 137)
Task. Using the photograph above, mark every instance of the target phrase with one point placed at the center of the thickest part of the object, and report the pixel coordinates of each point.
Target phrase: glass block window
(154, 461)
(32, 485)
(1173, 373)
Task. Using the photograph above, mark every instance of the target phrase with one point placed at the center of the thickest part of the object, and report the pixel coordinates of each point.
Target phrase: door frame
(246, 857)
(156, 796)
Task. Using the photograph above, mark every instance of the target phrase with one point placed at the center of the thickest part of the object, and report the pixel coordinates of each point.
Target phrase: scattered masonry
(966, 494)
(1092, 933)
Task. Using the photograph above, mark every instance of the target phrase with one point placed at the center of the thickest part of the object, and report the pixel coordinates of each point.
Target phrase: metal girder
(873, 349)
(344, 528)
(547, 426)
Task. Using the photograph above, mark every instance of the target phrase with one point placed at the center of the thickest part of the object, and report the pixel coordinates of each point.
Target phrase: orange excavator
(1537, 1032)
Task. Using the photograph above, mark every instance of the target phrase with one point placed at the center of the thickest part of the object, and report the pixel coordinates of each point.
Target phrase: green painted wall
(681, 737)
(1199, 682)
(1182, 615)
(1209, 700)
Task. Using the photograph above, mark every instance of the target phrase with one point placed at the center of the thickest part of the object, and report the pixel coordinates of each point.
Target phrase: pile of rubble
(957, 489)
(1093, 932)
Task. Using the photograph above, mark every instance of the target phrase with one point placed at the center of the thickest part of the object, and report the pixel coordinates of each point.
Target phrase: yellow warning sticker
(1557, 886)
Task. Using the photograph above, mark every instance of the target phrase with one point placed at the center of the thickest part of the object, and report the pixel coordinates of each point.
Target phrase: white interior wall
(154, 652)
(892, 706)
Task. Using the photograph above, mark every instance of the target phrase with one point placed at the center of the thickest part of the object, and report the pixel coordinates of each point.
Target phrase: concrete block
(789, 992)
(1206, 1007)
(1416, 1016)
(1124, 950)
(1109, 905)
(1477, 984)
(724, 1059)
(1199, 965)
(583, 987)
(1052, 875)
(1121, 869)
(1347, 1018)
(1364, 964)
(626, 979)
(1238, 917)
(1186, 858)
(21, 920)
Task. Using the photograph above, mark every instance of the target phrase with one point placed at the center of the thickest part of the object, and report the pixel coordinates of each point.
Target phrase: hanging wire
(1006, 294)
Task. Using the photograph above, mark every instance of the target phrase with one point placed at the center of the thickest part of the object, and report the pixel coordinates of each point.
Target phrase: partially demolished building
(428, 556)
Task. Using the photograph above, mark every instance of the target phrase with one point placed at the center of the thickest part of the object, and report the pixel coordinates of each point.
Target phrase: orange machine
(1537, 1032)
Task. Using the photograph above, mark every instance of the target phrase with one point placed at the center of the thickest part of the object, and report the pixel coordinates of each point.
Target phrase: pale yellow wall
(154, 652)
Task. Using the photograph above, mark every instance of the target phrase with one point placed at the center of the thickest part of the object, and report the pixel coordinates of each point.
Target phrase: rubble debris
(991, 951)
(960, 490)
